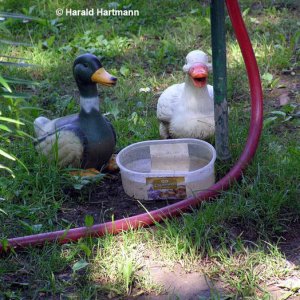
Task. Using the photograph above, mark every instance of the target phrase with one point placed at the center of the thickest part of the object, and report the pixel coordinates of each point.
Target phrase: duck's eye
(85, 65)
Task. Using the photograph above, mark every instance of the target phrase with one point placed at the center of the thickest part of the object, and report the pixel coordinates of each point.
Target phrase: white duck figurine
(186, 110)
(85, 140)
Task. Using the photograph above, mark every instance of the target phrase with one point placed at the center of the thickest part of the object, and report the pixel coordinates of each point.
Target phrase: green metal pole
(217, 16)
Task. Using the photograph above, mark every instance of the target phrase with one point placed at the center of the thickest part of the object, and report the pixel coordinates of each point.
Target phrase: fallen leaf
(79, 265)
(124, 71)
(284, 99)
(281, 86)
(293, 284)
(144, 90)
(111, 295)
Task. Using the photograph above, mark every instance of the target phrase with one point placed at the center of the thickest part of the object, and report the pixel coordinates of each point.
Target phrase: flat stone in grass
(180, 285)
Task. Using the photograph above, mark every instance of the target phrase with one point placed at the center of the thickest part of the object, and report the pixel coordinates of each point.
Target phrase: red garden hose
(64, 236)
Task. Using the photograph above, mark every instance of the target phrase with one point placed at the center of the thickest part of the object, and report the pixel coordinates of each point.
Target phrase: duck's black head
(88, 71)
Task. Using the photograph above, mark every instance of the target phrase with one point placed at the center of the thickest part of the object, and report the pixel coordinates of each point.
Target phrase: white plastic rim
(126, 150)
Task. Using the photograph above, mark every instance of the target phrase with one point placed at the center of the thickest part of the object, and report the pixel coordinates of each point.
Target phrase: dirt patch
(288, 86)
(105, 202)
(290, 245)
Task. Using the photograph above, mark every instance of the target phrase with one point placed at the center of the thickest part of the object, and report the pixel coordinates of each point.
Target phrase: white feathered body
(185, 111)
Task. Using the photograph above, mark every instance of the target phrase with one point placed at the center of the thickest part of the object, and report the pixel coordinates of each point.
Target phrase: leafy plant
(136, 119)
(112, 109)
(269, 81)
(79, 182)
(88, 220)
(289, 112)
(79, 265)
(13, 103)
(97, 44)
(7, 131)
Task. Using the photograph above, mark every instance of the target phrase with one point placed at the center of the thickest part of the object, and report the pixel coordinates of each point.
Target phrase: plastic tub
(167, 169)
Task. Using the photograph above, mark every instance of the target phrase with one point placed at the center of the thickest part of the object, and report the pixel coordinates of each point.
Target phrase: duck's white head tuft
(194, 57)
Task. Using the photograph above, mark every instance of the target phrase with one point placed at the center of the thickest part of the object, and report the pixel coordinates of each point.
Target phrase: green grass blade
(1, 210)
(8, 170)
(20, 81)
(24, 134)
(8, 42)
(14, 57)
(5, 128)
(5, 154)
(7, 15)
(9, 120)
(13, 158)
(4, 84)
(15, 95)
(16, 64)
(22, 164)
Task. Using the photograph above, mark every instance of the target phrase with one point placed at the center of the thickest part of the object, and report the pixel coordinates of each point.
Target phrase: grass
(234, 239)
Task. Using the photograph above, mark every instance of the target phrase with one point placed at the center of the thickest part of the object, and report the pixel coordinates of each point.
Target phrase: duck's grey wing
(43, 126)
(67, 146)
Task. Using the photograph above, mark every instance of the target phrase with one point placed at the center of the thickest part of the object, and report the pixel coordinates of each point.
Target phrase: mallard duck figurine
(85, 140)
(186, 110)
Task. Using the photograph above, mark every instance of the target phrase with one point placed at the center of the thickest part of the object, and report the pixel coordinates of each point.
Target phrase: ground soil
(106, 201)
(290, 245)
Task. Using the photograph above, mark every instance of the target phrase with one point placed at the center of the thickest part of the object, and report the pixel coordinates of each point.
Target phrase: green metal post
(217, 16)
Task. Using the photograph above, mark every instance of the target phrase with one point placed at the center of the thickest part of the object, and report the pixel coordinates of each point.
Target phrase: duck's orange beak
(103, 77)
(199, 73)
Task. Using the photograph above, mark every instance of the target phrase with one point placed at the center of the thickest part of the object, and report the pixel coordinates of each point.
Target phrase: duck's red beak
(199, 73)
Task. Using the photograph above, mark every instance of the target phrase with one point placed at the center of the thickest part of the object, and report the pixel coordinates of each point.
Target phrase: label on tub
(172, 188)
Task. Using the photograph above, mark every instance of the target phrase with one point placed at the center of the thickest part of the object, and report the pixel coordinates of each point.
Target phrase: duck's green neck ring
(87, 90)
